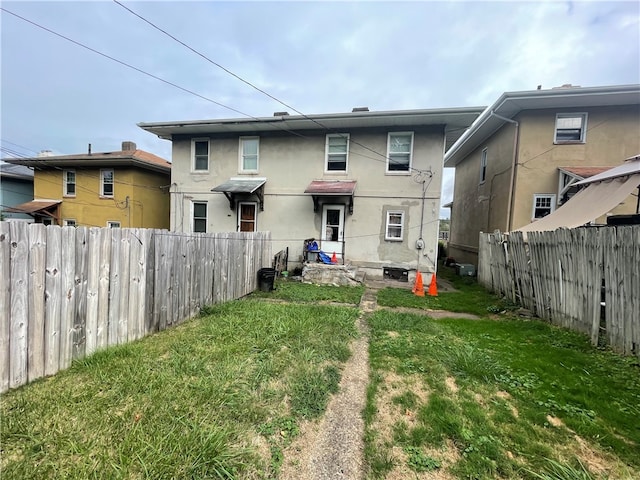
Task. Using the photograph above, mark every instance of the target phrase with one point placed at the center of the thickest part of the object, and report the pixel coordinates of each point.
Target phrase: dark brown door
(247, 214)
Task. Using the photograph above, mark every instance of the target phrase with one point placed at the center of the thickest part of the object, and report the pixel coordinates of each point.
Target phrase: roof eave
(510, 104)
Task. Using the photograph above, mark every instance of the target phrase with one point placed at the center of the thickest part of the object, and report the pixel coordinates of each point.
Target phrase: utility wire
(238, 77)
(171, 83)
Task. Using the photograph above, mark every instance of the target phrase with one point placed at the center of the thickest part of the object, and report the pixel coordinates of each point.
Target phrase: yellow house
(126, 188)
(522, 158)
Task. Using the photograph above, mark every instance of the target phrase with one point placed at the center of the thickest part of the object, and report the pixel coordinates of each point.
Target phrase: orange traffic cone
(433, 286)
(418, 287)
(334, 259)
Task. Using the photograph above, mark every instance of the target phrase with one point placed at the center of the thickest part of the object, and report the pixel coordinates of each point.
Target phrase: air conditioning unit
(465, 269)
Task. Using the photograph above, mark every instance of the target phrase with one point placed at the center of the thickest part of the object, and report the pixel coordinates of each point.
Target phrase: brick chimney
(129, 146)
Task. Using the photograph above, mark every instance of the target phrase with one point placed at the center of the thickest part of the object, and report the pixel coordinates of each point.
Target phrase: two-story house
(16, 187)
(365, 185)
(126, 188)
(522, 157)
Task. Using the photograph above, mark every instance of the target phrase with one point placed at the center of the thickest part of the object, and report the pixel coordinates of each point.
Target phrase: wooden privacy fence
(66, 292)
(584, 279)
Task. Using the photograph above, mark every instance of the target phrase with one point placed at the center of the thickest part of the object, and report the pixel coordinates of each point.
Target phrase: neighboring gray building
(366, 185)
(16, 187)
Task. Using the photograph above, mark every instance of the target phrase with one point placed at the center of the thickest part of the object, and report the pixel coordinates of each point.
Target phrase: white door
(332, 233)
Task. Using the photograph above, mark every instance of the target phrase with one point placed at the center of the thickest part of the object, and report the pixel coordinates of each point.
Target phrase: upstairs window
(69, 183)
(113, 224)
(337, 151)
(200, 217)
(483, 166)
(570, 127)
(106, 183)
(249, 149)
(200, 154)
(69, 222)
(399, 152)
(395, 226)
(543, 205)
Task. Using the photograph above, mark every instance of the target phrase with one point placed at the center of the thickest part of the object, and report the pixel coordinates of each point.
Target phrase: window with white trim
(113, 224)
(106, 183)
(483, 166)
(249, 150)
(69, 183)
(570, 128)
(336, 152)
(199, 217)
(200, 154)
(543, 205)
(69, 222)
(394, 229)
(399, 152)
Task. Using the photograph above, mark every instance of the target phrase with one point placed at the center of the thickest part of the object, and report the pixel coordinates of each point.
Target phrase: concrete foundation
(322, 274)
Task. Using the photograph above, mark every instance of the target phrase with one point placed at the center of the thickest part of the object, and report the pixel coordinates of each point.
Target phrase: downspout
(512, 180)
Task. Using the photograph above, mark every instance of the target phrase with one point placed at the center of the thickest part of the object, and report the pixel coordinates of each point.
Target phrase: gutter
(514, 165)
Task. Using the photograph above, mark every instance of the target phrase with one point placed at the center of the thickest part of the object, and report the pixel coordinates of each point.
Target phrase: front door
(332, 229)
(247, 217)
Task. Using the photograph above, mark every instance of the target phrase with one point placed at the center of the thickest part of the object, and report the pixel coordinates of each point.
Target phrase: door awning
(36, 207)
(234, 187)
(588, 204)
(331, 188)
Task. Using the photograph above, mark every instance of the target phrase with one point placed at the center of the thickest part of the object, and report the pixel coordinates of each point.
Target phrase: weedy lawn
(499, 397)
(217, 397)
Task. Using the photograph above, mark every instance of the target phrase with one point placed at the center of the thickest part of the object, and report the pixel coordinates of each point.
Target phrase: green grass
(191, 402)
(294, 291)
(511, 374)
(470, 297)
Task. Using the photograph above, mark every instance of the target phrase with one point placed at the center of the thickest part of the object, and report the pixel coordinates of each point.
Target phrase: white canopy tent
(603, 193)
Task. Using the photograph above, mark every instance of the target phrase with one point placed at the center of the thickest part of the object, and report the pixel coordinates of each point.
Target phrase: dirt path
(333, 447)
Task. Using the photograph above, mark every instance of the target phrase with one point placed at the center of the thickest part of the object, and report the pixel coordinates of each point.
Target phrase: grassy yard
(217, 397)
(498, 397)
(222, 396)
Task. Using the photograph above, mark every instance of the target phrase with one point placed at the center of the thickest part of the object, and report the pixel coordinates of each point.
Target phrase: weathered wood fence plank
(585, 279)
(53, 301)
(19, 303)
(5, 305)
(67, 292)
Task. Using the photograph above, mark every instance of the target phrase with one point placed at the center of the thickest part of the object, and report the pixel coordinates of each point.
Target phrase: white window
(570, 127)
(69, 222)
(395, 226)
(113, 224)
(249, 149)
(106, 183)
(543, 205)
(199, 217)
(483, 166)
(399, 152)
(337, 152)
(69, 183)
(247, 213)
(200, 154)
(47, 221)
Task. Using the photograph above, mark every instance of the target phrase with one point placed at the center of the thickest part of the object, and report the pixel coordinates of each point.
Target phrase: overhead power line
(238, 77)
(191, 92)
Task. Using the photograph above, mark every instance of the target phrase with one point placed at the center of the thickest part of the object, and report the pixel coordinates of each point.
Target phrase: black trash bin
(266, 277)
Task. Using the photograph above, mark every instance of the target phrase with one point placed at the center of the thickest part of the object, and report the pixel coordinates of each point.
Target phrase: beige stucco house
(520, 159)
(365, 185)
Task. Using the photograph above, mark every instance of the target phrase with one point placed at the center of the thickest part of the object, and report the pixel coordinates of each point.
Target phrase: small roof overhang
(35, 207)
(331, 188)
(242, 186)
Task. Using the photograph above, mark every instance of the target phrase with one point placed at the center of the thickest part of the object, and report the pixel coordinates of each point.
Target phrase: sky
(318, 57)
